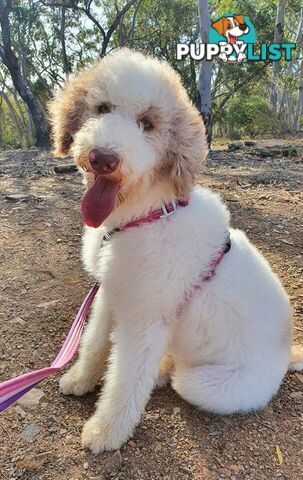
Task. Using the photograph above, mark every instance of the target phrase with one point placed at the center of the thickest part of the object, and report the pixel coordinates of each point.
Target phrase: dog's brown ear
(187, 150)
(219, 26)
(240, 19)
(67, 113)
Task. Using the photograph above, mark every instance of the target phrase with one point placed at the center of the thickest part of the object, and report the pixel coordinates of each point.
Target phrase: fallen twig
(70, 168)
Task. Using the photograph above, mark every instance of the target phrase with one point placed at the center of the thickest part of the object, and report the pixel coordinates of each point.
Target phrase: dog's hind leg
(296, 359)
(225, 389)
(165, 371)
(84, 375)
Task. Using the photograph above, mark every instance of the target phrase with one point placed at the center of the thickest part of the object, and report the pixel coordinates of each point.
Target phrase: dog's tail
(296, 359)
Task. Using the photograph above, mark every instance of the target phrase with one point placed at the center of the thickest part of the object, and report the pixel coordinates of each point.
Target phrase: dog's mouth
(231, 38)
(99, 201)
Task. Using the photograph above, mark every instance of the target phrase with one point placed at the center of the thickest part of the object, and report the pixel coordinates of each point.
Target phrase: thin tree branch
(114, 25)
(132, 28)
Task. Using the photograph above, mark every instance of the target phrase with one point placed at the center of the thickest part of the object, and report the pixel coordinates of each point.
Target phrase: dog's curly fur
(226, 350)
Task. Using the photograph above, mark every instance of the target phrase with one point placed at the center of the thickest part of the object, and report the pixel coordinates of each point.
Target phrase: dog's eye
(236, 24)
(146, 124)
(104, 108)
(229, 25)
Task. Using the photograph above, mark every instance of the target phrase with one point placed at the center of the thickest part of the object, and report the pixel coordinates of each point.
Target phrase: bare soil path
(42, 285)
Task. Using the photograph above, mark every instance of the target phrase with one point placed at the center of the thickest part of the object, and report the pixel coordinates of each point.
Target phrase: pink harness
(15, 388)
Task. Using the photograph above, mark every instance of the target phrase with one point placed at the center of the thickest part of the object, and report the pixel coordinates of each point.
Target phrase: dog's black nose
(243, 27)
(103, 162)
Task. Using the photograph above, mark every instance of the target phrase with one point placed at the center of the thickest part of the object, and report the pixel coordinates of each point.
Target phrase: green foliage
(40, 88)
(155, 27)
(9, 137)
(250, 116)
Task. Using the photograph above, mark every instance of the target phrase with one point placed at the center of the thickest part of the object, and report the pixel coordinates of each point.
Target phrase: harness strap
(205, 277)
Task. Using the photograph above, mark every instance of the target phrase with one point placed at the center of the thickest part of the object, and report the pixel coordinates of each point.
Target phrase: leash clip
(165, 212)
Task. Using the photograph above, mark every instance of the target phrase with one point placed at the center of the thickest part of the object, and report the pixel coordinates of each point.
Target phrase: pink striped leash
(15, 388)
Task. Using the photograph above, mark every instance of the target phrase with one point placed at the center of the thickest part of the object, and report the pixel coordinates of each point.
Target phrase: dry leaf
(299, 376)
(47, 272)
(279, 455)
(287, 242)
(47, 304)
(74, 281)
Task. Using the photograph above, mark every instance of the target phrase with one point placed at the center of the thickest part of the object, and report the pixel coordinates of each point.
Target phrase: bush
(250, 116)
(9, 137)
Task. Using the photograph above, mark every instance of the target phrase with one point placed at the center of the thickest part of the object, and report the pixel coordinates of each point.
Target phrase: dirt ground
(42, 285)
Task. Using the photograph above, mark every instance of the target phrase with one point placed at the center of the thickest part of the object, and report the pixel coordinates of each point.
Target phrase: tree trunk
(204, 82)
(299, 108)
(66, 64)
(11, 61)
(298, 41)
(273, 97)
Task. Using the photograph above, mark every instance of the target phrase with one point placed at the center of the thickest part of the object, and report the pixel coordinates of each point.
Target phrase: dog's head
(231, 27)
(128, 122)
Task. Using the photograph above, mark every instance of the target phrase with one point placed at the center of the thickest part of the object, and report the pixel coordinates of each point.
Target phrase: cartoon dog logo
(231, 28)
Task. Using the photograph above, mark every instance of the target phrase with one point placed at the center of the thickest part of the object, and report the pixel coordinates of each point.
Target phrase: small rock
(31, 399)
(236, 468)
(18, 320)
(31, 464)
(18, 197)
(20, 411)
(30, 432)
(263, 152)
(68, 168)
(157, 448)
(113, 464)
(85, 466)
(296, 395)
(216, 433)
(235, 146)
(176, 411)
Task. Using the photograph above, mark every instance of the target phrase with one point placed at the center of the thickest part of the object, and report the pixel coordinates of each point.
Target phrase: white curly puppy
(224, 339)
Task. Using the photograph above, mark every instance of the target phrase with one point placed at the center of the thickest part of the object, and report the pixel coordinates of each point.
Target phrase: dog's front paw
(99, 436)
(74, 382)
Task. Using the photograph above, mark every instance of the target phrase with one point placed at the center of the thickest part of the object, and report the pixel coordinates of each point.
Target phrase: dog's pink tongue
(232, 39)
(98, 201)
